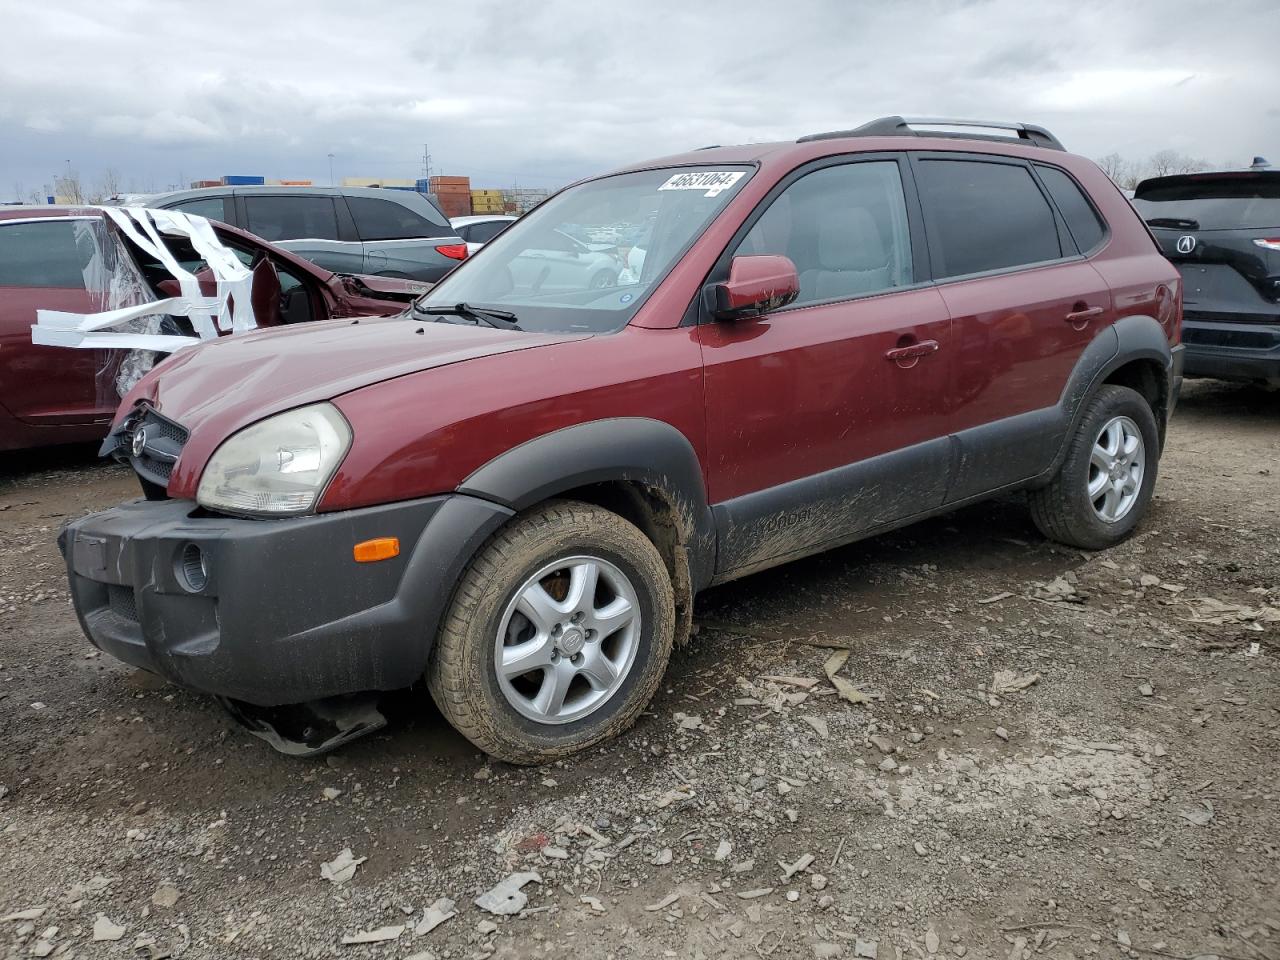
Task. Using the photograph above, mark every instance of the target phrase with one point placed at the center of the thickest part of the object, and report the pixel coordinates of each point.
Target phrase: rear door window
(1226, 201)
(1087, 228)
(484, 232)
(212, 207)
(983, 216)
(49, 253)
(386, 220)
(292, 218)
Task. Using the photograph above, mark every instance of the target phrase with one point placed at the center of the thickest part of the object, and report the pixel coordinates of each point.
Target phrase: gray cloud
(542, 93)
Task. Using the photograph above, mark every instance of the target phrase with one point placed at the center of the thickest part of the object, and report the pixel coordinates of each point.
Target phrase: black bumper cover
(286, 615)
(1233, 350)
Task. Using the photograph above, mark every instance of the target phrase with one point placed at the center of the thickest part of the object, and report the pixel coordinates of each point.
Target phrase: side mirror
(755, 286)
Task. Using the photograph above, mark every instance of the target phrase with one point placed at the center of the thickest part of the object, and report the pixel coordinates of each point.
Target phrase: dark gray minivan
(386, 233)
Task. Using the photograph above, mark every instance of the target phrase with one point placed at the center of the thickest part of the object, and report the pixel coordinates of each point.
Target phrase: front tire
(557, 637)
(1105, 483)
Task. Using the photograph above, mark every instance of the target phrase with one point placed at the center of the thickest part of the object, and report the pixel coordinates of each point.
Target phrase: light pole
(331, 183)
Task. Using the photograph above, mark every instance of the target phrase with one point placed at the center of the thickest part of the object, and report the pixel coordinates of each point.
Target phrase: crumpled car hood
(220, 386)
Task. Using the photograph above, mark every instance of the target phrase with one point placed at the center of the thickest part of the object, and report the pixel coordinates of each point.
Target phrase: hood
(384, 288)
(222, 385)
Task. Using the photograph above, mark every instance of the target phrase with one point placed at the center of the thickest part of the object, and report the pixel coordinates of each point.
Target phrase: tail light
(454, 251)
(1269, 243)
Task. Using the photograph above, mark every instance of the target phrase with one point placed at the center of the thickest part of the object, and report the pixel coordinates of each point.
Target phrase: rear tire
(1101, 491)
(524, 600)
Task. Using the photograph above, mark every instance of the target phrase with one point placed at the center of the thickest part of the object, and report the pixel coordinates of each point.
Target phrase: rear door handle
(912, 351)
(1083, 316)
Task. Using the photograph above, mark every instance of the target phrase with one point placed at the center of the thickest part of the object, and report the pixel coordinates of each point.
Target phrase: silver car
(386, 233)
(558, 262)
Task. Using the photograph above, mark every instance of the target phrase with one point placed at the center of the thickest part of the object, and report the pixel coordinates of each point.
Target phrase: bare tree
(108, 185)
(1113, 165)
(1166, 163)
(68, 188)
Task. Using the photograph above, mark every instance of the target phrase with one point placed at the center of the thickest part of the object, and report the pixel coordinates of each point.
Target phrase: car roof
(1206, 176)
(382, 193)
(792, 152)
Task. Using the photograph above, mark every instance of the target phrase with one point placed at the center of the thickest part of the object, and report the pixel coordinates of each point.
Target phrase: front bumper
(286, 615)
(1232, 350)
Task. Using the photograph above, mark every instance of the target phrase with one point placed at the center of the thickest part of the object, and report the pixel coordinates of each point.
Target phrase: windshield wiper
(502, 319)
(1177, 223)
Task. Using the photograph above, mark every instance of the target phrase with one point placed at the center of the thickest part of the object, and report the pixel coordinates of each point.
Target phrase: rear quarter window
(983, 216)
(386, 220)
(1086, 226)
(212, 207)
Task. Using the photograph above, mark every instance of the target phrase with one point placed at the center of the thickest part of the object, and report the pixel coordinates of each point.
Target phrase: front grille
(122, 602)
(163, 443)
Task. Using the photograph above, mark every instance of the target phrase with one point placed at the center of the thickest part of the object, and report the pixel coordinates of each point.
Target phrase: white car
(480, 229)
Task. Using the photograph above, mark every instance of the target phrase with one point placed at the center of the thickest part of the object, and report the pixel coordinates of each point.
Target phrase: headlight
(279, 466)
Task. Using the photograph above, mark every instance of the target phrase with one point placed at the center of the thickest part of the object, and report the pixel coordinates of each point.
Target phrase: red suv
(516, 488)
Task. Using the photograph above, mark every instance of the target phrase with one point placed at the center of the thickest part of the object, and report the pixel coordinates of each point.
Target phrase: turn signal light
(380, 548)
(455, 251)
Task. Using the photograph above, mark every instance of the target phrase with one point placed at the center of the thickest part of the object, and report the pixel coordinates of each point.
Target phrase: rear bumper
(1232, 350)
(286, 614)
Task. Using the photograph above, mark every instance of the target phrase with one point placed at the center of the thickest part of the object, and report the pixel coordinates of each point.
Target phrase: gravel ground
(1050, 753)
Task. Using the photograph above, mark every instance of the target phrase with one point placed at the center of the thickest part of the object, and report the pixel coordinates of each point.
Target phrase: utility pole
(331, 183)
(426, 161)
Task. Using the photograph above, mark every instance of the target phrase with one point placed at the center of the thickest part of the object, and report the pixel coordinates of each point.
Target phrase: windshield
(587, 258)
(1230, 201)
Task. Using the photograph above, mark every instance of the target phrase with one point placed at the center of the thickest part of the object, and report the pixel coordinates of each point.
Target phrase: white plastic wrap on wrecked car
(230, 309)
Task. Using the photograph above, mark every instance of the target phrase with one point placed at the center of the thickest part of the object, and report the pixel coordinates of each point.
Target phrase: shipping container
(239, 180)
(455, 206)
(201, 184)
(451, 182)
(295, 183)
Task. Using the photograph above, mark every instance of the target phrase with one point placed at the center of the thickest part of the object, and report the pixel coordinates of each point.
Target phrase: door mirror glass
(756, 285)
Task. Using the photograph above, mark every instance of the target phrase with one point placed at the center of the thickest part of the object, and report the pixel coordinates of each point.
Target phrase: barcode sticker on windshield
(712, 181)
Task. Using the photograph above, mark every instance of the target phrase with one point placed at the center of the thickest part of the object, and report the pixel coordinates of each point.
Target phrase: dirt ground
(1061, 754)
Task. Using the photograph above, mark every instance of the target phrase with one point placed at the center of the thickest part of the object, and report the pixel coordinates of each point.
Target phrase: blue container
(242, 181)
(423, 185)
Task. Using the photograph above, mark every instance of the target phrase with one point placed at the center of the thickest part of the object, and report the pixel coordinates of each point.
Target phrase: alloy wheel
(567, 639)
(1117, 465)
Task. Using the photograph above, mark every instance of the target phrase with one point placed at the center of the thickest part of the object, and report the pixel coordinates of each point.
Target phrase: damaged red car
(74, 259)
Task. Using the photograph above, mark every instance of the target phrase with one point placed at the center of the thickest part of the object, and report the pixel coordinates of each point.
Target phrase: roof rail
(902, 127)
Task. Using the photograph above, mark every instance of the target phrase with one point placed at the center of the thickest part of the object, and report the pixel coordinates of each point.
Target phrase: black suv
(1222, 230)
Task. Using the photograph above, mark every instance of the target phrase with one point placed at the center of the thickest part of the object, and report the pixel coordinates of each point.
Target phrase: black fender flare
(639, 450)
(1134, 337)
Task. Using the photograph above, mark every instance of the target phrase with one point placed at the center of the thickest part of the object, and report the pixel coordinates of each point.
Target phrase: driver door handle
(1084, 314)
(912, 351)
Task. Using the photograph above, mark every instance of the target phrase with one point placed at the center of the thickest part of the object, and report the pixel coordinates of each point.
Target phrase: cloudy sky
(538, 92)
